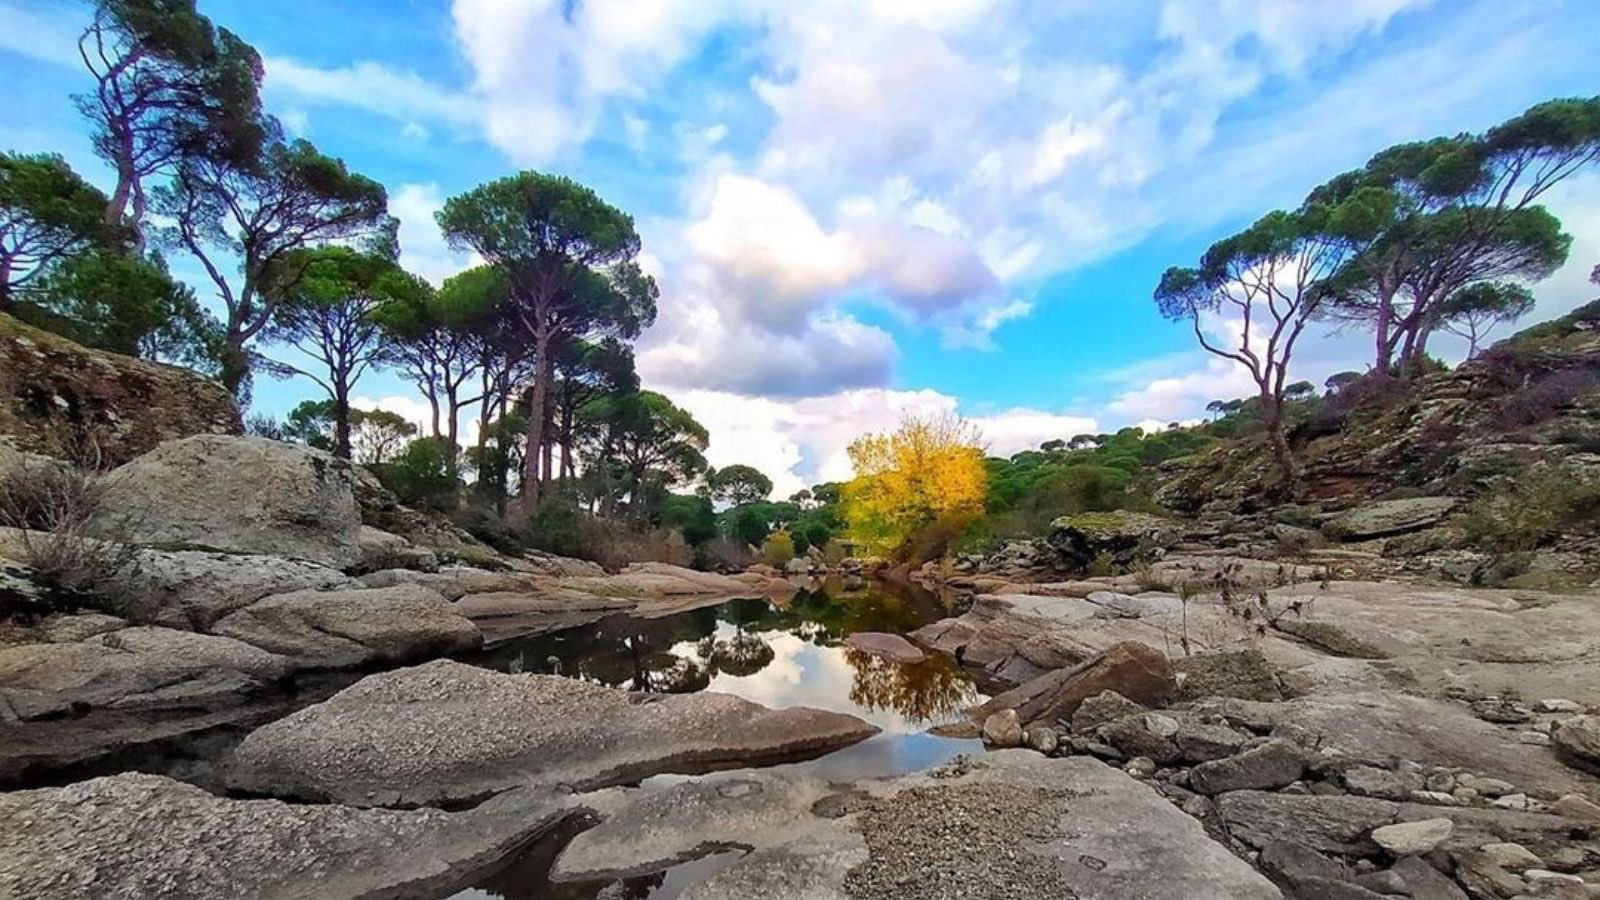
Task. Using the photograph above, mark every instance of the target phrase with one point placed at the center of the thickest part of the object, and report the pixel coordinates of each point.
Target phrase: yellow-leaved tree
(915, 488)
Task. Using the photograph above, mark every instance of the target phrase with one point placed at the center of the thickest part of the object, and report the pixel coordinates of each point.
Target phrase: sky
(859, 209)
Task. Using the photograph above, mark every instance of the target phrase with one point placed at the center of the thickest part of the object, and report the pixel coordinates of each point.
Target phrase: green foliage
(259, 216)
(738, 484)
(1533, 509)
(688, 514)
(169, 88)
(48, 214)
(421, 475)
(124, 304)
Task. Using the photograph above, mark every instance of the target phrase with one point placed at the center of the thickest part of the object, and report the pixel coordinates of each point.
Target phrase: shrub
(53, 504)
(420, 476)
(1534, 509)
(777, 549)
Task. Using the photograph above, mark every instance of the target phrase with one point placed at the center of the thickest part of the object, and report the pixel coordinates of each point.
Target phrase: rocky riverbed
(293, 700)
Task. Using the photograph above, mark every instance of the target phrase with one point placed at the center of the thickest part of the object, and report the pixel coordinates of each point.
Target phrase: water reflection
(778, 653)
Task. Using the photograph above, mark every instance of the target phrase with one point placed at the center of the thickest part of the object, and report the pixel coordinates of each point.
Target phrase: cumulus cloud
(422, 247)
(804, 442)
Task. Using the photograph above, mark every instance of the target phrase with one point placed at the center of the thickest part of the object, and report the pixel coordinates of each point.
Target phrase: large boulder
(1009, 824)
(238, 494)
(64, 400)
(1386, 518)
(137, 835)
(1121, 538)
(343, 629)
(194, 588)
(445, 733)
(1136, 671)
(130, 668)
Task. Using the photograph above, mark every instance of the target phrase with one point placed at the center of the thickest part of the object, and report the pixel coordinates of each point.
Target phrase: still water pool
(778, 653)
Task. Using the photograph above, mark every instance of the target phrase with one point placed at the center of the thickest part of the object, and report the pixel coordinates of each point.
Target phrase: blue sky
(858, 208)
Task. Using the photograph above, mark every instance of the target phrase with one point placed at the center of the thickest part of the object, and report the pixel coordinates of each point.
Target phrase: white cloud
(422, 247)
(803, 442)
(51, 39)
(400, 95)
(415, 131)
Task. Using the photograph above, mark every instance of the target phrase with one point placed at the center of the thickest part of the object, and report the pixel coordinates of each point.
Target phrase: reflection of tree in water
(620, 652)
(740, 656)
(932, 690)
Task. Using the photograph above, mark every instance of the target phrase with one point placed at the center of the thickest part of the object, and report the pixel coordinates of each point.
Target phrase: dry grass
(54, 507)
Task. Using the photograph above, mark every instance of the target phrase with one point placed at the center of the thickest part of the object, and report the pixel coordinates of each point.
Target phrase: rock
(892, 647)
(238, 494)
(1101, 708)
(383, 550)
(1383, 882)
(1328, 889)
(1289, 861)
(797, 566)
(139, 835)
(381, 509)
(1559, 706)
(1576, 806)
(1386, 518)
(1577, 742)
(1377, 727)
(1273, 764)
(1002, 729)
(1141, 767)
(1479, 874)
(1371, 781)
(66, 704)
(1245, 674)
(1137, 735)
(1201, 742)
(129, 668)
(1041, 739)
(1337, 825)
(63, 400)
(347, 628)
(1512, 856)
(1010, 821)
(445, 732)
(194, 588)
(1121, 537)
(1424, 882)
(1136, 671)
(1339, 639)
(1413, 838)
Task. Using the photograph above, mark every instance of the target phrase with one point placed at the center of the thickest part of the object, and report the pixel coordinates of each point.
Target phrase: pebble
(1438, 798)
(1533, 738)
(1512, 801)
(1560, 706)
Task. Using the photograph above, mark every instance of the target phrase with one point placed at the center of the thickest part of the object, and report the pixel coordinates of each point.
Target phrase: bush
(777, 549)
(562, 528)
(1534, 510)
(52, 504)
(420, 476)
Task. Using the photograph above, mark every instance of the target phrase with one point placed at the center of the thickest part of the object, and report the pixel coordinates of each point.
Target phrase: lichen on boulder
(64, 400)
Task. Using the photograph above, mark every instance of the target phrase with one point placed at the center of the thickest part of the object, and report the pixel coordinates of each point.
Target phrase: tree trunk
(541, 387)
(1384, 324)
(1282, 453)
(235, 366)
(341, 424)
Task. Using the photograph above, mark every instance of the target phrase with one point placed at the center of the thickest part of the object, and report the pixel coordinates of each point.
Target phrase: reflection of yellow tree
(921, 692)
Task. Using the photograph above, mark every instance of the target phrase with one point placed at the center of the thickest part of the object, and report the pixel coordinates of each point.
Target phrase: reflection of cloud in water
(804, 674)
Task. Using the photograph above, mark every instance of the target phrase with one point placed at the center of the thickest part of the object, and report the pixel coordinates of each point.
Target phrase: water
(778, 654)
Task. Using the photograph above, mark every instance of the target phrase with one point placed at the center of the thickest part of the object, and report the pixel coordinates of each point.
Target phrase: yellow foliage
(928, 472)
(777, 549)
